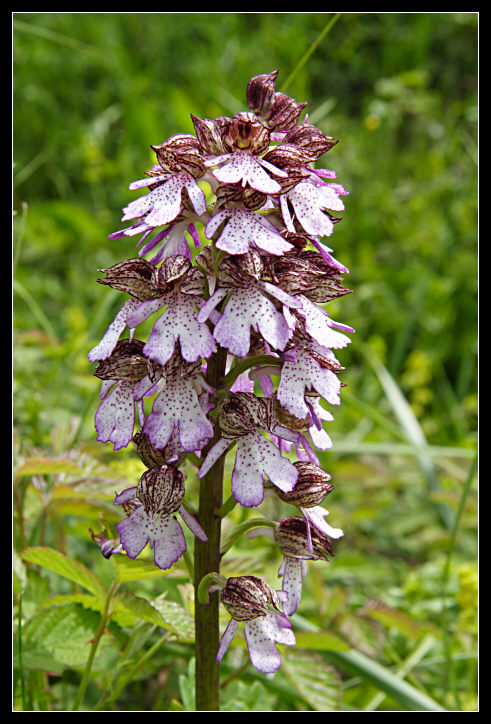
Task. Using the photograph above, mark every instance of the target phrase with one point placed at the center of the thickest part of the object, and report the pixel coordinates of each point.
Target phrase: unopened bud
(284, 113)
(311, 487)
(291, 538)
(161, 490)
(309, 141)
(260, 92)
(244, 413)
(137, 277)
(173, 269)
(149, 455)
(248, 597)
(181, 153)
(126, 363)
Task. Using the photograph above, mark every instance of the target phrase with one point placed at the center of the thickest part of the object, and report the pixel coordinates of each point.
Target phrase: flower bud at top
(291, 538)
(125, 363)
(311, 488)
(260, 92)
(284, 113)
(181, 153)
(137, 277)
(244, 413)
(248, 597)
(161, 490)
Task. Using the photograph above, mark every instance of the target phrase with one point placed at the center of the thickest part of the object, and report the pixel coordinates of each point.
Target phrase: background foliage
(391, 622)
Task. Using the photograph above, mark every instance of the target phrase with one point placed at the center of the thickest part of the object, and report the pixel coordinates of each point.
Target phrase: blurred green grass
(92, 91)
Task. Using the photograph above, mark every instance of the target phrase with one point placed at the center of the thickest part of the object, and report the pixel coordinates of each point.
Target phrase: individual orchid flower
(152, 505)
(298, 543)
(309, 202)
(310, 490)
(244, 228)
(235, 145)
(253, 602)
(242, 420)
(180, 285)
(248, 306)
(177, 413)
(125, 369)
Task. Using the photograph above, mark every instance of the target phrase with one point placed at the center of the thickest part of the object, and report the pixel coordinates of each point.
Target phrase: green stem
(206, 561)
(309, 52)
(93, 648)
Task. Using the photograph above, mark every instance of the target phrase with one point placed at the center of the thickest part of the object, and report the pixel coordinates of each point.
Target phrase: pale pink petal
(319, 325)
(214, 454)
(227, 638)
(257, 457)
(316, 516)
(126, 495)
(115, 416)
(292, 583)
(167, 540)
(248, 308)
(193, 524)
(246, 169)
(134, 532)
(116, 328)
(179, 322)
(177, 407)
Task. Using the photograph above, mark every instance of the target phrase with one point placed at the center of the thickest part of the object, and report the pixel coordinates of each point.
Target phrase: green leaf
(320, 641)
(127, 569)
(66, 567)
(58, 637)
(128, 608)
(356, 663)
(47, 466)
(313, 678)
(138, 608)
(391, 618)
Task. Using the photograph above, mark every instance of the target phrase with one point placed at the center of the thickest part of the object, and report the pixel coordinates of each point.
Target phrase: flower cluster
(232, 255)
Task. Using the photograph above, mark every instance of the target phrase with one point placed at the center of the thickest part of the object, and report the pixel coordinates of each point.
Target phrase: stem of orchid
(211, 580)
(245, 364)
(206, 561)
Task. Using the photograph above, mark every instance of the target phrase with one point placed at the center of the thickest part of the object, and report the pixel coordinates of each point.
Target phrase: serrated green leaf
(176, 616)
(67, 567)
(139, 608)
(58, 636)
(316, 681)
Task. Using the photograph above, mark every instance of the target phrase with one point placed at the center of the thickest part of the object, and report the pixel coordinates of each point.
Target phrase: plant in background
(240, 354)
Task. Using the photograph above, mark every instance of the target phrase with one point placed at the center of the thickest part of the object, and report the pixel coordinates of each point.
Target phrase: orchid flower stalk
(232, 277)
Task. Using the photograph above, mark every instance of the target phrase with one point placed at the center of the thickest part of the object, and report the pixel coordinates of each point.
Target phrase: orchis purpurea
(224, 340)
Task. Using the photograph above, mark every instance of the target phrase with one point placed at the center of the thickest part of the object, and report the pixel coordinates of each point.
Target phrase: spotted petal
(177, 408)
(115, 417)
(256, 458)
(244, 168)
